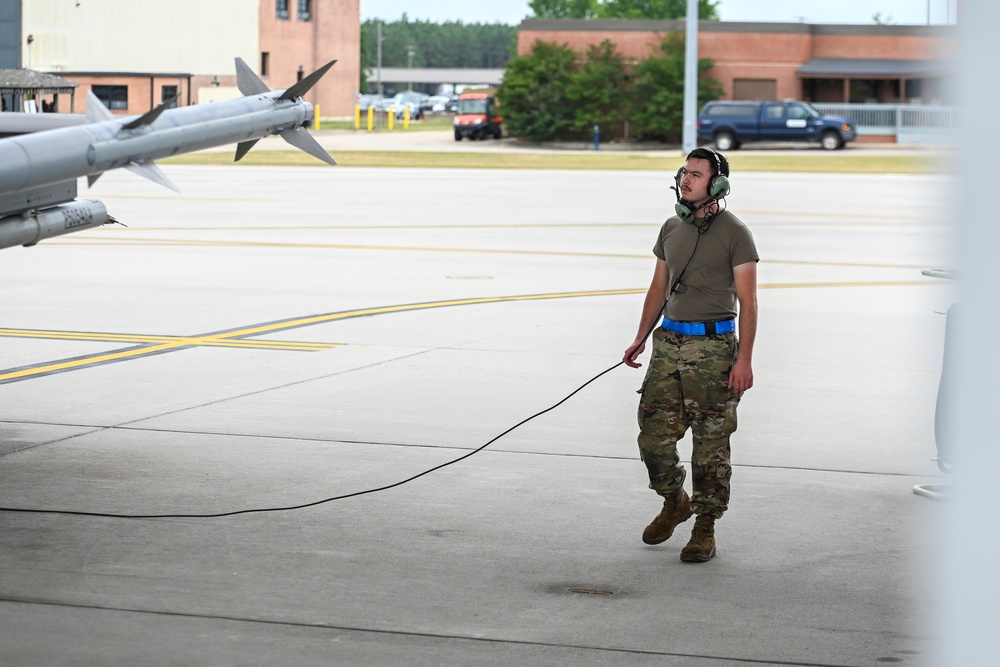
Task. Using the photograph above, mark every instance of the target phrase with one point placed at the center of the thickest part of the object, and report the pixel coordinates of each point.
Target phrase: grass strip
(819, 162)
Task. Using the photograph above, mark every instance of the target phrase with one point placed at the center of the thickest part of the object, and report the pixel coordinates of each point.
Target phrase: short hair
(720, 165)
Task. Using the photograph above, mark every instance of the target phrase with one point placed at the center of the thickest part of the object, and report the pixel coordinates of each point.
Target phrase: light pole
(409, 64)
(378, 60)
(689, 129)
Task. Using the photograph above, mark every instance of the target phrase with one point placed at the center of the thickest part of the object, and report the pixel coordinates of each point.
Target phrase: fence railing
(909, 122)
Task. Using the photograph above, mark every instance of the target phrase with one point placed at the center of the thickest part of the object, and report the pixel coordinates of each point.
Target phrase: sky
(809, 11)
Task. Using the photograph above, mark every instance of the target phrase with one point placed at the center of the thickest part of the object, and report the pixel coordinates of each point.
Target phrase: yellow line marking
(182, 198)
(345, 246)
(89, 361)
(560, 225)
(331, 317)
(549, 253)
(180, 340)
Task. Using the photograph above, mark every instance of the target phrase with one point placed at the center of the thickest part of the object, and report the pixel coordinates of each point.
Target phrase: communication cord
(702, 228)
(318, 502)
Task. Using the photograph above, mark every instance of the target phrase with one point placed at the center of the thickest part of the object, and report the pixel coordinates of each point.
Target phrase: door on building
(755, 89)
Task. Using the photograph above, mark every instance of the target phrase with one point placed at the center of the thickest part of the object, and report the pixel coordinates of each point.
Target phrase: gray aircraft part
(35, 169)
(29, 228)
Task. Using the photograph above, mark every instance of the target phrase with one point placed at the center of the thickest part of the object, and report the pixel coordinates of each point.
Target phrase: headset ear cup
(719, 187)
(683, 211)
(677, 178)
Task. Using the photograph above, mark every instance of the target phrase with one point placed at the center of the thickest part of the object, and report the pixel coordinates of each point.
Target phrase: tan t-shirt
(711, 292)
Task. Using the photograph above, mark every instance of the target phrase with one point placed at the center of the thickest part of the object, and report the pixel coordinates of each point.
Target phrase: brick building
(818, 63)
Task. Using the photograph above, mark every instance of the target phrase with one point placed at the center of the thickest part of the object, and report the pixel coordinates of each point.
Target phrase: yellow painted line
(888, 283)
(331, 317)
(546, 225)
(180, 340)
(862, 265)
(345, 246)
(183, 198)
(342, 246)
(89, 361)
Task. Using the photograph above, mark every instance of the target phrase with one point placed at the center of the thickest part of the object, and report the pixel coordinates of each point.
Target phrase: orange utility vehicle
(477, 117)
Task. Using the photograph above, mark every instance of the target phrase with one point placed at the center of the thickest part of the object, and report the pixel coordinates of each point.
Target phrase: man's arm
(656, 295)
(745, 277)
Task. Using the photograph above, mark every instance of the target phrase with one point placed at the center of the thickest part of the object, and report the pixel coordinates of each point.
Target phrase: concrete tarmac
(274, 337)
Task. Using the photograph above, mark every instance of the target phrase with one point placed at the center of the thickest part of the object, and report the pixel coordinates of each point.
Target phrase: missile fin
(303, 86)
(248, 82)
(304, 141)
(148, 117)
(92, 178)
(96, 111)
(243, 148)
(149, 170)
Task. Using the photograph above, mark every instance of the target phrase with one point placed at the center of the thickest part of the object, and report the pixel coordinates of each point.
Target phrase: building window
(168, 93)
(265, 63)
(281, 9)
(113, 97)
(304, 10)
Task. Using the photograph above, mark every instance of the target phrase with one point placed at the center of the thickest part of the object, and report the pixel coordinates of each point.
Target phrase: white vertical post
(689, 135)
(969, 585)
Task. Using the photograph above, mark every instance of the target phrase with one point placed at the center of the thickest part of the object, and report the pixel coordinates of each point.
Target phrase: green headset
(718, 186)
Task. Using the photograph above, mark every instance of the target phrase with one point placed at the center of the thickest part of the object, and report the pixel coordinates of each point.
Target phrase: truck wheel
(458, 136)
(831, 141)
(725, 141)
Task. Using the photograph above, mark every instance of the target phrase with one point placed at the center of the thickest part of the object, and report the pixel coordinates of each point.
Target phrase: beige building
(135, 54)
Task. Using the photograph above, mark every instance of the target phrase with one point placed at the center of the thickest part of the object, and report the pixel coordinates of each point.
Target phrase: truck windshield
(472, 106)
(812, 112)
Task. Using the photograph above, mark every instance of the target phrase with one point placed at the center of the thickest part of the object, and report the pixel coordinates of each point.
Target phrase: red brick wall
(756, 55)
(332, 33)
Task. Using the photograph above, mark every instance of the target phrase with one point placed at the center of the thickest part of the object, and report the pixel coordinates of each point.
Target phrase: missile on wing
(40, 170)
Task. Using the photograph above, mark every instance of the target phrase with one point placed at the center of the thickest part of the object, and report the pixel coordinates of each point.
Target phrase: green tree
(655, 9)
(564, 9)
(534, 94)
(656, 95)
(621, 9)
(878, 19)
(596, 91)
(449, 44)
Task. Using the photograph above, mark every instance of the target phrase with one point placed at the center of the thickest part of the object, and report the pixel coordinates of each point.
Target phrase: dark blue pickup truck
(729, 124)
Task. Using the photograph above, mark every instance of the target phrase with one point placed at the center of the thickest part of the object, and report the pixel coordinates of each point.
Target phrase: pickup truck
(729, 124)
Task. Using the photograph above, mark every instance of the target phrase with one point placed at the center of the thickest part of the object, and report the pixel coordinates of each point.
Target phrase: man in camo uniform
(706, 262)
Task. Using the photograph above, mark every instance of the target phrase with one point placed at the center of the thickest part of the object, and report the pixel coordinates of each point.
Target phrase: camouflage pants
(686, 385)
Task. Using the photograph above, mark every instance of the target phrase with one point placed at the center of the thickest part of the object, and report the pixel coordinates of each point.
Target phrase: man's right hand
(633, 351)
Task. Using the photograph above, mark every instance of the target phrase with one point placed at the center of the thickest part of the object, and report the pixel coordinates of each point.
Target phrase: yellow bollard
(371, 117)
(406, 117)
(392, 117)
(357, 116)
(316, 117)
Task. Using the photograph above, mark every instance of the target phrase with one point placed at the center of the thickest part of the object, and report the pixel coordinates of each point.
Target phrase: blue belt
(700, 328)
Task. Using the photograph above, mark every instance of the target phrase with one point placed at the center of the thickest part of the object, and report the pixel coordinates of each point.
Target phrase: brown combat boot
(676, 510)
(701, 548)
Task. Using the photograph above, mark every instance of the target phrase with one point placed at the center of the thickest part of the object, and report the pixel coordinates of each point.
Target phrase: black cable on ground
(318, 502)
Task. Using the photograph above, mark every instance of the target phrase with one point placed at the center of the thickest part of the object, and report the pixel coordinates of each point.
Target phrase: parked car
(415, 101)
(729, 124)
(374, 101)
(438, 102)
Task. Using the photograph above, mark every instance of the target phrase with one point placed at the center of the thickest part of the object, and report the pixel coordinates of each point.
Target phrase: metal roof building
(23, 84)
